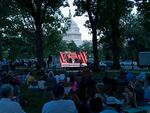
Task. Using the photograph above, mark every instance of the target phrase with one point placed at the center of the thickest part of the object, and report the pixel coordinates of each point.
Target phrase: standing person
(6, 104)
(49, 60)
(42, 73)
(59, 105)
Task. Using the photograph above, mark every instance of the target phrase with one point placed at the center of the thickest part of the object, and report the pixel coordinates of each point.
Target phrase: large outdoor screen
(73, 59)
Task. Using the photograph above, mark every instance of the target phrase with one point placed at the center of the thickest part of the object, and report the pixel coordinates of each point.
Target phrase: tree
(133, 27)
(92, 8)
(87, 46)
(110, 25)
(39, 9)
(71, 46)
(143, 8)
(4, 9)
(20, 22)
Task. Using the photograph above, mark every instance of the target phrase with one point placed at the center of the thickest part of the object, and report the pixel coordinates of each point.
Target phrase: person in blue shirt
(59, 105)
(6, 104)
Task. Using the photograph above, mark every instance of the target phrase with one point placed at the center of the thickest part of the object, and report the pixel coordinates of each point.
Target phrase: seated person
(30, 79)
(57, 78)
(130, 77)
(147, 90)
(59, 105)
(41, 84)
(139, 92)
(79, 105)
(74, 84)
(50, 75)
(62, 77)
(130, 96)
(112, 105)
(6, 104)
(96, 103)
(142, 75)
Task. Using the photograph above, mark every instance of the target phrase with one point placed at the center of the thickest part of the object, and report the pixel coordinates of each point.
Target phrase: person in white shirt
(6, 104)
(41, 84)
(59, 105)
(112, 103)
(57, 79)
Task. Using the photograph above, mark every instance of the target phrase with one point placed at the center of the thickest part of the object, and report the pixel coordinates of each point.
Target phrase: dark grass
(36, 99)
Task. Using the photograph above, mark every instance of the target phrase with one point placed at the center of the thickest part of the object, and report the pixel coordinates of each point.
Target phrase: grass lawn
(36, 99)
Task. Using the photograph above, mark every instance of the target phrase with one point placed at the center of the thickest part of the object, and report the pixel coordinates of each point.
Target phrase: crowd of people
(76, 94)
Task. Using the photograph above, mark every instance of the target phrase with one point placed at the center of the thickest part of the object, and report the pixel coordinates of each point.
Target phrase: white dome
(74, 29)
(73, 33)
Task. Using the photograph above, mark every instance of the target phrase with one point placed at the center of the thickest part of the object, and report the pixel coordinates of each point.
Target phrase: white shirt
(41, 84)
(59, 106)
(57, 78)
(62, 77)
(9, 106)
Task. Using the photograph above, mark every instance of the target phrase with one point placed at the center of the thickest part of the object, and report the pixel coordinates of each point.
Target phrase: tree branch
(98, 10)
(88, 5)
(28, 5)
(44, 11)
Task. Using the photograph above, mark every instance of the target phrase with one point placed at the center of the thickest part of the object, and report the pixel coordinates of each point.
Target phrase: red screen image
(73, 59)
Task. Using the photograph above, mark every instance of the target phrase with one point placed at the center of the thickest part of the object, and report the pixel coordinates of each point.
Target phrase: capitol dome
(73, 33)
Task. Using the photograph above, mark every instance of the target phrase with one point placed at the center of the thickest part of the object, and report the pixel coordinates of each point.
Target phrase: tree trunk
(95, 50)
(39, 42)
(115, 47)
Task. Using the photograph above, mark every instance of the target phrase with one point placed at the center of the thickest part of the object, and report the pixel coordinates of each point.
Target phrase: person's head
(58, 92)
(51, 73)
(6, 91)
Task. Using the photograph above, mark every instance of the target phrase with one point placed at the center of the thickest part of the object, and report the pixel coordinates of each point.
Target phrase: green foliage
(87, 46)
(41, 12)
(92, 10)
(133, 27)
(19, 28)
(71, 46)
(143, 7)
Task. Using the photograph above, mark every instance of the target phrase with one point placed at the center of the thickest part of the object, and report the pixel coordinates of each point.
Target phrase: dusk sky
(79, 20)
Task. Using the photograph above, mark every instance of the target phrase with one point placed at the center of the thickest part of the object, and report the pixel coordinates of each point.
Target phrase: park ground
(36, 99)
